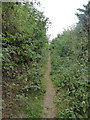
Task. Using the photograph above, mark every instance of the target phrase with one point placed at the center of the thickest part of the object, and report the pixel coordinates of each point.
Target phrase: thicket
(69, 53)
(24, 49)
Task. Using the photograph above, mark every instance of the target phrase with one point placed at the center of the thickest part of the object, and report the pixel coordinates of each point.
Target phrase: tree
(84, 16)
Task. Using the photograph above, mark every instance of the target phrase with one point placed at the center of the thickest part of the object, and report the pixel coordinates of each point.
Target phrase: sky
(61, 14)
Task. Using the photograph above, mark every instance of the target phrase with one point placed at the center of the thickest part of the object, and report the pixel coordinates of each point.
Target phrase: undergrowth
(24, 49)
(69, 74)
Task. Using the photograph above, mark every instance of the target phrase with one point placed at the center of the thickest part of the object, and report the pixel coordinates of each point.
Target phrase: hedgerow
(24, 49)
(69, 53)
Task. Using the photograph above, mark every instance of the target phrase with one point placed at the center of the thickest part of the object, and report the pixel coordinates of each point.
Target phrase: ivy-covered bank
(69, 59)
(24, 48)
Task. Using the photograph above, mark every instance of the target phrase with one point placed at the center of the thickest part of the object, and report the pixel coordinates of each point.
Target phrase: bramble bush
(69, 53)
(24, 48)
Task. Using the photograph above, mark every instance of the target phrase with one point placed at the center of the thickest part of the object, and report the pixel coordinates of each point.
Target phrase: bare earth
(49, 106)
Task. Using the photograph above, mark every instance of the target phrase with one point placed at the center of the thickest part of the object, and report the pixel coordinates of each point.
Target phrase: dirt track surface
(49, 106)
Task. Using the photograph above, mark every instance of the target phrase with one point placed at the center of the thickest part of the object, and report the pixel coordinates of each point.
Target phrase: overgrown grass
(32, 105)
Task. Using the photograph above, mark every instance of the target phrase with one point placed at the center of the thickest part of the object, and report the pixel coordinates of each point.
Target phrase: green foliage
(25, 47)
(84, 16)
(69, 52)
(33, 107)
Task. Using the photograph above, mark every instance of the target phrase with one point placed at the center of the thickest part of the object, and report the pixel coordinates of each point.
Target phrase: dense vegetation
(69, 53)
(24, 48)
(25, 51)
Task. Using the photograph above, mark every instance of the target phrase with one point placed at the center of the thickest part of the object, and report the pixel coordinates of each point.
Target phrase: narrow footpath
(49, 106)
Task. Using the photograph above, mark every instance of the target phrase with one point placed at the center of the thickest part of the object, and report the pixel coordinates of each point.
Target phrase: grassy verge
(33, 103)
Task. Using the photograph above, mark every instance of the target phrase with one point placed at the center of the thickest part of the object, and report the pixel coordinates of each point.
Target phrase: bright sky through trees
(61, 13)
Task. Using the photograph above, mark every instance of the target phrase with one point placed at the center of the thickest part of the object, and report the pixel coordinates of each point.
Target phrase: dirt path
(49, 106)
